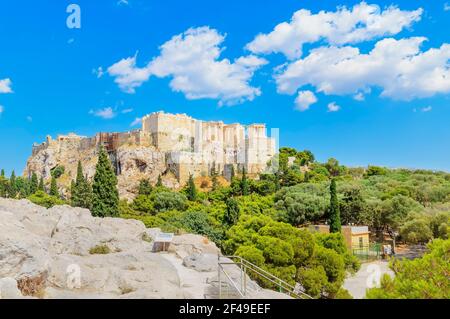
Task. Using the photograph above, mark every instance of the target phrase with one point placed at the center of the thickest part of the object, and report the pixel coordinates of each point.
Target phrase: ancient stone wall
(178, 143)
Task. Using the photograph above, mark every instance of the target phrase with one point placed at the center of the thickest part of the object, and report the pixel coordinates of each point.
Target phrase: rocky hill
(173, 146)
(64, 252)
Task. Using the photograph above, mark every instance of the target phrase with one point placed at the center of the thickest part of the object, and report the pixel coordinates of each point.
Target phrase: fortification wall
(189, 146)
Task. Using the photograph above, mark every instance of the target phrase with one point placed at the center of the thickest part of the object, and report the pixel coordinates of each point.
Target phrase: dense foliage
(265, 219)
(421, 278)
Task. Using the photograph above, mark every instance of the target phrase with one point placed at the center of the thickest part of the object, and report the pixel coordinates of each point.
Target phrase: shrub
(43, 199)
(100, 250)
(166, 201)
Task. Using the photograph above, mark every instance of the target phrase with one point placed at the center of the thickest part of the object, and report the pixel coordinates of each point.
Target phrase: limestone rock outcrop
(172, 146)
(64, 252)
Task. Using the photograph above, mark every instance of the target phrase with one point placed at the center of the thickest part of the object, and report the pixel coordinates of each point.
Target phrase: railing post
(218, 276)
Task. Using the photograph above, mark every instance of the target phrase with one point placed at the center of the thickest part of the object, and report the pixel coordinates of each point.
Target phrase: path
(365, 278)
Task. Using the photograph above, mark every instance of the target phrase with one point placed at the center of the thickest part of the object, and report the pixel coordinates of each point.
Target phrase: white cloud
(361, 23)
(427, 109)
(359, 97)
(125, 111)
(333, 107)
(2, 109)
(192, 60)
(5, 86)
(137, 121)
(105, 113)
(98, 72)
(123, 3)
(446, 6)
(398, 67)
(29, 119)
(304, 100)
(127, 76)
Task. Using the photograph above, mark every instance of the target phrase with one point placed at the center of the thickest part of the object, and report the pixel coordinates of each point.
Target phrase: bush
(43, 199)
(421, 278)
(416, 231)
(252, 254)
(143, 204)
(166, 201)
(100, 250)
(313, 280)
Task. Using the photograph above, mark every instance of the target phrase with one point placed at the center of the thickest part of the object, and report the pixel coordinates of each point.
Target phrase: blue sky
(360, 84)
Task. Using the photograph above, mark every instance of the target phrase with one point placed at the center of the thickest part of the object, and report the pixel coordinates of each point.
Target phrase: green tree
(81, 190)
(334, 214)
(34, 183)
(12, 187)
(166, 201)
(232, 173)
(352, 205)
(54, 188)
(232, 212)
(145, 188)
(191, 191)
(159, 183)
(244, 184)
(41, 186)
(421, 278)
(105, 194)
(2, 173)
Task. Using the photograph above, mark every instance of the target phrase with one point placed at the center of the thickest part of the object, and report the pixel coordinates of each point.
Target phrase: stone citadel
(171, 145)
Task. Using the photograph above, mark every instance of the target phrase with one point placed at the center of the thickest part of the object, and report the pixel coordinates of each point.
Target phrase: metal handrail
(230, 280)
(267, 275)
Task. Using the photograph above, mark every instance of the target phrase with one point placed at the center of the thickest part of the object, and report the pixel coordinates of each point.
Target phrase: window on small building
(361, 242)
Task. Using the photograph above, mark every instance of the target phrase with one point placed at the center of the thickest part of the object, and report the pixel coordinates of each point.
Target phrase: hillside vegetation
(265, 220)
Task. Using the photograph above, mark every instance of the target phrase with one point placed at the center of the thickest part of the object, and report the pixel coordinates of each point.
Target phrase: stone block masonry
(171, 145)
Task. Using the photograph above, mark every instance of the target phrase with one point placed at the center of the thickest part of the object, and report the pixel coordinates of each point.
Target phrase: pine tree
(41, 186)
(244, 183)
(145, 188)
(215, 183)
(335, 218)
(232, 212)
(159, 183)
(54, 188)
(81, 190)
(12, 186)
(2, 173)
(34, 183)
(232, 173)
(105, 194)
(191, 189)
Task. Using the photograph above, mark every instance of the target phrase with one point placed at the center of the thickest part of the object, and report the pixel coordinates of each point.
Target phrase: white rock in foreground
(45, 253)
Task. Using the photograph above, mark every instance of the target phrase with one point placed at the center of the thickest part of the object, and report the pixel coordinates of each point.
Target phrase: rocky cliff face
(53, 253)
(132, 162)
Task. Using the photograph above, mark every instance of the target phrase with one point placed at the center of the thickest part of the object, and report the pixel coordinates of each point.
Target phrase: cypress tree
(191, 189)
(232, 212)
(232, 173)
(41, 186)
(3, 173)
(145, 188)
(105, 194)
(159, 183)
(34, 183)
(12, 185)
(81, 190)
(244, 183)
(215, 183)
(54, 188)
(335, 218)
